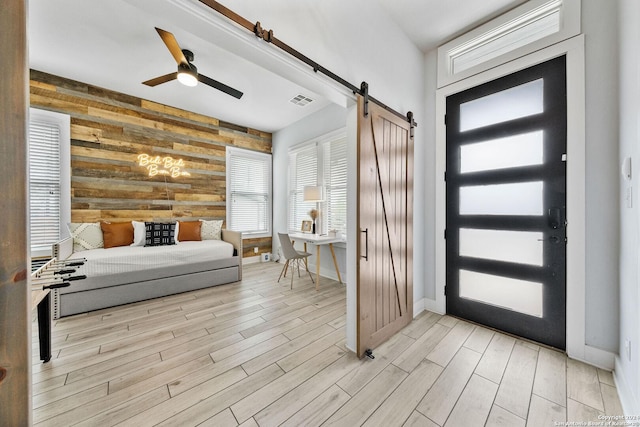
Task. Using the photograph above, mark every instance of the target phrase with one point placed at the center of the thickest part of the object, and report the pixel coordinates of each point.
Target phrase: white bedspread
(124, 259)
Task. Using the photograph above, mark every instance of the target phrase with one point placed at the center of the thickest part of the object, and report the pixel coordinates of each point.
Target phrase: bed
(126, 274)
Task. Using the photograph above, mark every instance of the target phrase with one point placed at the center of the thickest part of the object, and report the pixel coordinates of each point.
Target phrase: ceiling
(430, 23)
(113, 44)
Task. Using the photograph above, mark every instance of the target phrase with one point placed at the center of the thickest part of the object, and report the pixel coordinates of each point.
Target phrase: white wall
(599, 23)
(627, 370)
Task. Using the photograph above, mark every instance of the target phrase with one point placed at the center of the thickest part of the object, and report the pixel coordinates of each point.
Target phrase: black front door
(506, 203)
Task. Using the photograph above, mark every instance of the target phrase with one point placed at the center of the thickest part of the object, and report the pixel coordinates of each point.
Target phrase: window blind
(44, 184)
(335, 182)
(248, 191)
(303, 165)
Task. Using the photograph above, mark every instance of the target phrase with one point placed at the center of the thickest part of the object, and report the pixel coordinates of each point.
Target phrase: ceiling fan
(187, 73)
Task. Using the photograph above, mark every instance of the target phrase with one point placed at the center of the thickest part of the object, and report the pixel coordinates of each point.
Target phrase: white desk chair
(292, 256)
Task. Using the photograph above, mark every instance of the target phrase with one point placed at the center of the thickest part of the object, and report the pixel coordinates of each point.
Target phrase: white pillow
(86, 235)
(211, 230)
(139, 233)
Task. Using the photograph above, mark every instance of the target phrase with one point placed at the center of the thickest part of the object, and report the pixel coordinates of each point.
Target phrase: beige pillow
(211, 230)
(86, 235)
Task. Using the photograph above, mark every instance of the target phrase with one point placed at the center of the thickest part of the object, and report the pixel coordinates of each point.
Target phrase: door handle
(366, 244)
(552, 239)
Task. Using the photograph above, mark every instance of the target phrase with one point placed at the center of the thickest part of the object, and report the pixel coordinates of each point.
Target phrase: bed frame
(125, 288)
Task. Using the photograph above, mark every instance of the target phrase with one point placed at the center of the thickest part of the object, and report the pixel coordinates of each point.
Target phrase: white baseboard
(629, 401)
(600, 358)
(251, 260)
(425, 304)
(596, 357)
(432, 305)
(418, 307)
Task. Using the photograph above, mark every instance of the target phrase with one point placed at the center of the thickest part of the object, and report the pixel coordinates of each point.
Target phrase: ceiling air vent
(300, 100)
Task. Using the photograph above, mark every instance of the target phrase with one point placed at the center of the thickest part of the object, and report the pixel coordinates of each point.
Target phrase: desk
(319, 240)
(41, 299)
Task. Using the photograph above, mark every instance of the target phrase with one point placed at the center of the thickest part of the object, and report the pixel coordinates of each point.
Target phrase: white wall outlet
(255, 250)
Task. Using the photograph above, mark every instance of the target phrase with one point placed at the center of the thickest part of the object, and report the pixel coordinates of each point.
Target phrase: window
(249, 192)
(324, 163)
(303, 171)
(49, 181)
(525, 29)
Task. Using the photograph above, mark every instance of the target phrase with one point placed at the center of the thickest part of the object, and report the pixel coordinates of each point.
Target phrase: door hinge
(445, 176)
(445, 119)
(445, 233)
(445, 290)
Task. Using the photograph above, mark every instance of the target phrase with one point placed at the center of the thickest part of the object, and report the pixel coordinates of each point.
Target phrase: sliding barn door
(385, 214)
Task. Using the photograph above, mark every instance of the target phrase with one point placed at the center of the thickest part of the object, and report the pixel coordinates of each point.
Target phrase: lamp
(313, 193)
(187, 74)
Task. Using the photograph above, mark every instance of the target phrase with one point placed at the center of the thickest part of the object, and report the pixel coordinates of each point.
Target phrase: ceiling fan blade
(162, 79)
(172, 45)
(220, 86)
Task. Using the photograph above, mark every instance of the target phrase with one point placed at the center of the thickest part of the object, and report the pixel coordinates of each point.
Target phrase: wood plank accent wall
(110, 129)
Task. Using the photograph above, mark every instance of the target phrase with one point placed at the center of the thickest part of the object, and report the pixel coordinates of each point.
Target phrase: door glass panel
(513, 294)
(510, 152)
(523, 247)
(514, 103)
(523, 198)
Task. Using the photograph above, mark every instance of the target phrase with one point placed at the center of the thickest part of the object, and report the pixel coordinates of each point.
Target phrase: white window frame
(256, 155)
(63, 122)
(319, 144)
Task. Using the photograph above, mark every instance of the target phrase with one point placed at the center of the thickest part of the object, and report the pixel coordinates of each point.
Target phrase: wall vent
(300, 100)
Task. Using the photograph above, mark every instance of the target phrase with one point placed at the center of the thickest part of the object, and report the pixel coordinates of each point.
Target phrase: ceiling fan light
(187, 75)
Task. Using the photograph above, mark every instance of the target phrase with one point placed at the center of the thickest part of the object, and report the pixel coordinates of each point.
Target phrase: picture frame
(306, 226)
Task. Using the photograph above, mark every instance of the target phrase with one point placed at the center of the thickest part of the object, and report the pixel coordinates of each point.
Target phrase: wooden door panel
(385, 288)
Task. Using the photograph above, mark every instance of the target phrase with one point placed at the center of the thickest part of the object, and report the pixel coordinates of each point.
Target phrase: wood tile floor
(257, 353)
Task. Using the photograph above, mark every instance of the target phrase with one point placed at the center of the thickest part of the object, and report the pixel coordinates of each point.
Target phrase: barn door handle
(366, 244)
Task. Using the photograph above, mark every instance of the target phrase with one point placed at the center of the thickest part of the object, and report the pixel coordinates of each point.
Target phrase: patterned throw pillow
(211, 230)
(160, 233)
(86, 235)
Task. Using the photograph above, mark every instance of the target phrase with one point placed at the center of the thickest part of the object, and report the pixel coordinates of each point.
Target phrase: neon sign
(159, 165)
